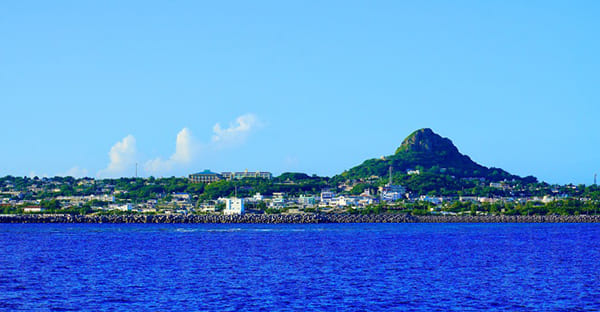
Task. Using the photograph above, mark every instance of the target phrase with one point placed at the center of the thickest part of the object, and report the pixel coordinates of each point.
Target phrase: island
(427, 179)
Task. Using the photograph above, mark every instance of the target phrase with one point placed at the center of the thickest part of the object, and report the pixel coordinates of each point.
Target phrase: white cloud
(122, 158)
(76, 172)
(236, 132)
(185, 148)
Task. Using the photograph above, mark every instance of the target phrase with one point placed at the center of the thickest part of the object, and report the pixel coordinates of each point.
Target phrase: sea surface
(332, 267)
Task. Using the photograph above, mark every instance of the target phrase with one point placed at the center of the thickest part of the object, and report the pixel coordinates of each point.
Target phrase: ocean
(301, 267)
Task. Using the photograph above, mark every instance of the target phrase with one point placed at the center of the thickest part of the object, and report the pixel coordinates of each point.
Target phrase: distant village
(184, 196)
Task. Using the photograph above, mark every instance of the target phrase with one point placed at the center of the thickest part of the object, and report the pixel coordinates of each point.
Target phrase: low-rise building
(258, 197)
(365, 201)
(33, 209)
(306, 200)
(278, 200)
(392, 192)
(121, 207)
(205, 176)
(246, 174)
(343, 201)
(413, 172)
(326, 195)
(430, 199)
(234, 206)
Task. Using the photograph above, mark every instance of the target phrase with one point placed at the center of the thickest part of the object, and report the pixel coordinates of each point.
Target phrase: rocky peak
(426, 141)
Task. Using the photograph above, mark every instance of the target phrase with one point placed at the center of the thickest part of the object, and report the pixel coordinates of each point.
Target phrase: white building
(258, 197)
(433, 200)
(33, 209)
(234, 206)
(306, 200)
(365, 201)
(392, 192)
(343, 201)
(123, 207)
(247, 174)
(278, 199)
(327, 195)
(181, 196)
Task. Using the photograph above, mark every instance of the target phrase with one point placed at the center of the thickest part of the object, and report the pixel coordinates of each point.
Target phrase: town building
(246, 174)
(205, 176)
(33, 209)
(413, 172)
(234, 206)
(307, 200)
(343, 201)
(430, 199)
(258, 197)
(278, 200)
(121, 207)
(208, 176)
(326, 195)
(392, 192)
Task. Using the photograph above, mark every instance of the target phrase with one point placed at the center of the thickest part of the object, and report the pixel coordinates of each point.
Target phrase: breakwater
(293, 218)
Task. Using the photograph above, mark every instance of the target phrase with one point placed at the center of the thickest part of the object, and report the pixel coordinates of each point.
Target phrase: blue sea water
(334, 267)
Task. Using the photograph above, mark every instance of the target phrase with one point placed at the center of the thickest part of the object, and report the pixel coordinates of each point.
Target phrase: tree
(52, 204)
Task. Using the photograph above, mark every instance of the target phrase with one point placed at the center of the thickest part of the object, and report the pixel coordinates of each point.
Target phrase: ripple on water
(370, 267)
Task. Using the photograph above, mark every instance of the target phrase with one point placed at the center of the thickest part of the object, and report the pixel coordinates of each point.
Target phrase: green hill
(435, 157)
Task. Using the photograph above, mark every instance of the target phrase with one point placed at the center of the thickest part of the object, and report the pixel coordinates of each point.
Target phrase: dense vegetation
(560, 207)
(140, 189)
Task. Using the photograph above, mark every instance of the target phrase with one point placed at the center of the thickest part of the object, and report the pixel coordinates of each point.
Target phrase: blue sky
(93, 87)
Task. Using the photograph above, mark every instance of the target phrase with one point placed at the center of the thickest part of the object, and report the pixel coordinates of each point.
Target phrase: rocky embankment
(292, 218)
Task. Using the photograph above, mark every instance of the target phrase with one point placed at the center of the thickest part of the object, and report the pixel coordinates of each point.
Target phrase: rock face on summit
(427, 149)
(425, 140)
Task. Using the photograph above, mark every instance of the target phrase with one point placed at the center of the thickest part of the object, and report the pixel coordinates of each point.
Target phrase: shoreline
(293, 219)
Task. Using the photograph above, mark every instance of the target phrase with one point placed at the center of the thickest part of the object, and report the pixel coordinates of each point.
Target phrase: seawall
(293, 219)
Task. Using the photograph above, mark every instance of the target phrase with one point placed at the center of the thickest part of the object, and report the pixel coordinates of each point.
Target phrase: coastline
(294, 219)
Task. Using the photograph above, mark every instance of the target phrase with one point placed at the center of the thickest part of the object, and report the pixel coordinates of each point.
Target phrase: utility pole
(595, 204)
(136, 165)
